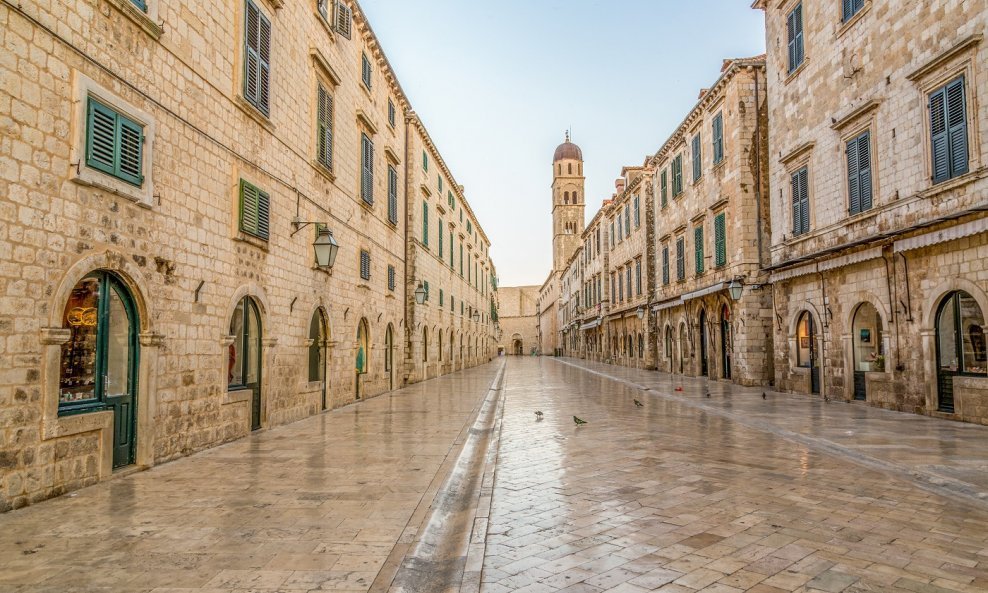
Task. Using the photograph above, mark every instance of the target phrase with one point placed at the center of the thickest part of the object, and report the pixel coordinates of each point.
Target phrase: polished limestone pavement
(726, 493)
(332, 502)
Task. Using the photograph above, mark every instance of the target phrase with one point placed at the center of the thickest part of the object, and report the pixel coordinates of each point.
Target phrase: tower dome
(568, 150)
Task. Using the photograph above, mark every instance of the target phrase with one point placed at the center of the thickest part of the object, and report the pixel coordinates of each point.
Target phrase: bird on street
(638, 404)
(578, 421)
(708, 394)
(538, 414)
(764, 396)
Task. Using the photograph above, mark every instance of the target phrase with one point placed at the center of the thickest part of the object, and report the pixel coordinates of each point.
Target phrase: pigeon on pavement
(578, 421)
(538, 414)
(638, 404)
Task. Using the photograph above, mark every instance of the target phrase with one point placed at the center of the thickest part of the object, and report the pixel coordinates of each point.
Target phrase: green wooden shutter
(957, 127)
(859, 173)
(425, 223)
(367, 169)
(442, 224)
(257, 51)
(461, 259)
(425, 161)
(365, 68)
(451, 254)
(698, 249)
(794, 33)
(255, 210)
(324, 127)
(391, 278)
(141, 4)
(665, 265)
(638, 220)
(681, 259)
(392, 195)
(720, 239)
(697, 158)
(627, 220)
(718, 134)
(853, 177)
(114, 143)
(365, 265)
(664, 184)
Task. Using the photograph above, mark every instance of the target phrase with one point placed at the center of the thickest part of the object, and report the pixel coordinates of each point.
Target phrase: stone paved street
(719, 494)
(689, 493)
(324, 503)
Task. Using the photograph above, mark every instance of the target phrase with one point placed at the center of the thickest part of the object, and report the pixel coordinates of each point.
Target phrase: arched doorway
(960, 344)
(869, 349)
(318, 344)
(682, 348)
(704, 363)
(725, 341)
(361, 362)
(99, 362)
(806, 356)
(389, 356)
(452, 361)
(244, 370)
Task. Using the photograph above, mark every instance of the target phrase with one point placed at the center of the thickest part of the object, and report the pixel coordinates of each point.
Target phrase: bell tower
(568, 202)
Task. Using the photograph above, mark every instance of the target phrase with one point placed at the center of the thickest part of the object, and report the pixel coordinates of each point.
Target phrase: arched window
(869, 347)
(244, 368)
(805, 336)
(440, 344)
(317, 347)
(566, 197)
(569, 168)
(576, 198)
(641, 346)
(98, 369)
(363, 347)
(425, 344)
(668, 341)
(389, 349)
(960, 330)
(451, 339)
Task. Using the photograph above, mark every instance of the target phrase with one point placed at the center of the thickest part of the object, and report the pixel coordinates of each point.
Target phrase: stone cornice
(679, 136)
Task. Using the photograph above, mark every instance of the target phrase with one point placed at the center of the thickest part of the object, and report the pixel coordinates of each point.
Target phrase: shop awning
(591, 324)
(704, 291)
(793, 273)
(850, 258)
(942, 236)
(667, 305)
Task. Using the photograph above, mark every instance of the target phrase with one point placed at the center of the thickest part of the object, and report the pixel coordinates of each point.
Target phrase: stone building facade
(518, 322)
(877, 162)
(711, 222)
(595, 295)
(159, 292)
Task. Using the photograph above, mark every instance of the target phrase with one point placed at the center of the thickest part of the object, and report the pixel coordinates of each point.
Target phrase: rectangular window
(255, 210)
(344, 19)
(598, 240)
(461, 259)
(114, 144)
(324, 128)
(442, 232)
(440, 182)
(948, 131)
(627, 220)
(441, 298)
(613, 286)
(698, 249)
(365, 265)
(794, 31)
(425, 161)
(391, 278)
(718, 136)
(681, 259)
(697, 158)
(800, 201)
(366, 169)
(620, 232)
(452, 306)
(859, 173)
(665, 265)
(257, 58)
(638, 220)
(720, 240)
(620, 278)
(612, 233)
(664, 187)
(392, 195)
(425, 223)
(638, 277)
(365, 70)
(451, 250)
(391, 113)
(851, 8)
(425, 285)
(469, 228)
(677, 175)
(141, 4)
(627, 272)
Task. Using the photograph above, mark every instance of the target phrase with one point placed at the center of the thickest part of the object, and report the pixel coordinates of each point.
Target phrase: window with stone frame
(365, 70)
(392, 195)
(324, 127)
(859, 185)
(948, 131)
(366, 169)
(850, 8)
(114, 143)
(799, 191)
(257, 58)
(697, 158)
(794, 37)
(680, 259)
(665, 265)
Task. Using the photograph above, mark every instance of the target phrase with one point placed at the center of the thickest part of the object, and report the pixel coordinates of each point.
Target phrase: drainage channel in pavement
(448, 554)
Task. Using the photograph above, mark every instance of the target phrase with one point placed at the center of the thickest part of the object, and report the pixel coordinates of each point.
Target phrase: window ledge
(322, 170)
(99, 180)
(237, 396)
(258, 242)
(142, 19)
(254, 113)
(720, 164)
(955, 183)
(795, 73)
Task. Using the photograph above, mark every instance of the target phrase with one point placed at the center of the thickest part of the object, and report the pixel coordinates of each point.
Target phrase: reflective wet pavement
(725, 493)
(332, 502)
(686, 493)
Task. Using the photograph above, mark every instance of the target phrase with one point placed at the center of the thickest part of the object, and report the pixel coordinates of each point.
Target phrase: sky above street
(498, 84)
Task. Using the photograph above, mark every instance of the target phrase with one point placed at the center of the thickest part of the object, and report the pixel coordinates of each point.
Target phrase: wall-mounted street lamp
(420, 294)
(640, 312)
(735, 288)
(476, 316)
(325, 246)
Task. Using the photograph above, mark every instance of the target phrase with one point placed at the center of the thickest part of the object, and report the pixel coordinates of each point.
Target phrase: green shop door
(244, 371)
(99, 362)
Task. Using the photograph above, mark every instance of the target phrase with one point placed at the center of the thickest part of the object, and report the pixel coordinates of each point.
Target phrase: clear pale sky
(498, 83)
